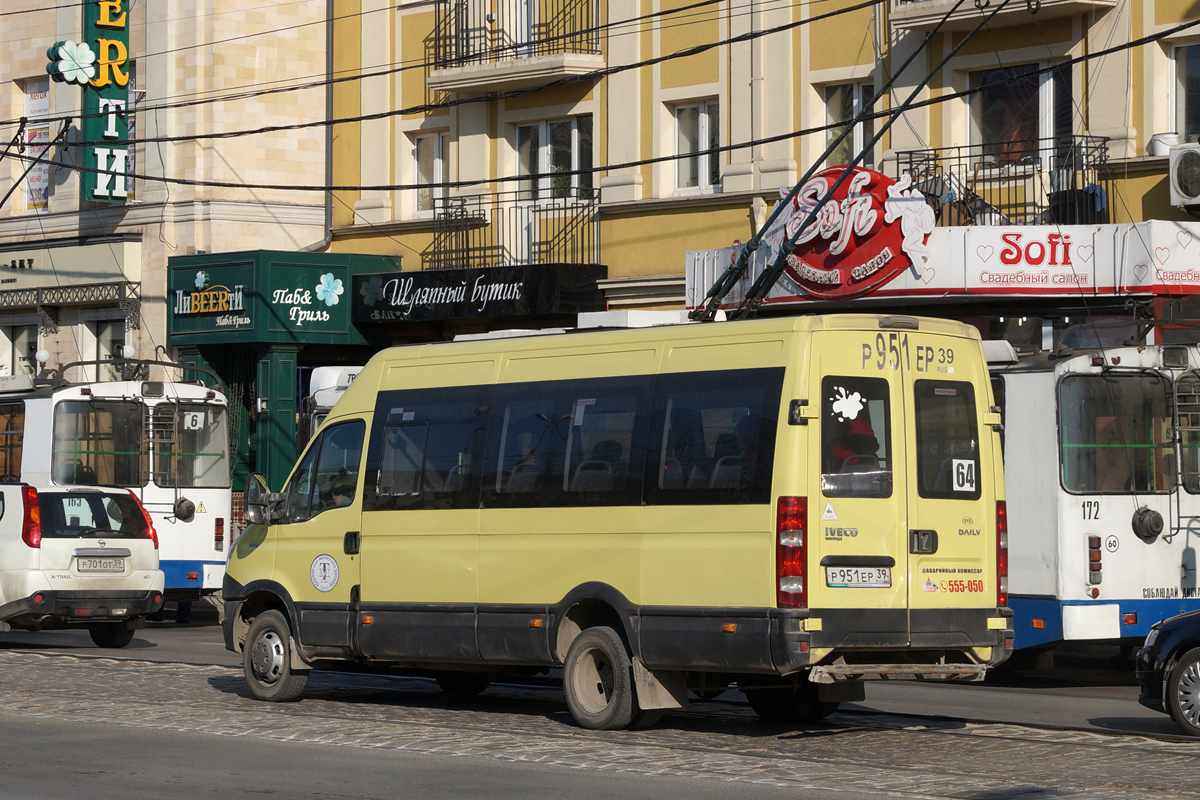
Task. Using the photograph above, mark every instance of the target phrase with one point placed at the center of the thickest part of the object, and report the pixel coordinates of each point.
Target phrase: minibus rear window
(1116, 433)
(856, 437)
(947, 440)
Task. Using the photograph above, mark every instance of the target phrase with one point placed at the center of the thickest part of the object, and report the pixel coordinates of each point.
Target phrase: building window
(429, 154)
(697, 132)
(23, 345)
(37, 143)
(844, 102)
(1187, 92)
(554, 150)
(1018, 112)
(110, 342)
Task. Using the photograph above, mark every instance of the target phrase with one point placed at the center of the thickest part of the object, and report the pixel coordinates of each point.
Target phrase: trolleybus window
(12, 434)
(713, 437)
(191, 445)
(100, 442)
(1187, 408)
(947, 440)
(856, 439)
(1115, 434)
(567, 443)
(335, 455)
(430, 452)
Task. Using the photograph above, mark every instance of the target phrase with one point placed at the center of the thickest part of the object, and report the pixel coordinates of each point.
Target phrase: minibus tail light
(31, 525)
(1001, 554)
(791, 554)
(146, 516)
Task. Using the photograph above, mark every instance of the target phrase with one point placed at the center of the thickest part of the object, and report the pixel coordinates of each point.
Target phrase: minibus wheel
(798, 703)
(598, 680)
(267, 658)
(111, 634)
(1183, 692)
(464, 684)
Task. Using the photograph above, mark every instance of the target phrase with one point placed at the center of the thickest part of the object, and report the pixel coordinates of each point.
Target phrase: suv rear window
(82, 515)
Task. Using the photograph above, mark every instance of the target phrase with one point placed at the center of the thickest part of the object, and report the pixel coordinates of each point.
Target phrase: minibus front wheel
(598, 680)
(267, 659)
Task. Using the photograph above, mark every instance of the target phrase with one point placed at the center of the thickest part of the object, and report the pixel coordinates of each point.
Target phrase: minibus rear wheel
(798, 703)
(598, 680)
(267, 659)
(464, 684)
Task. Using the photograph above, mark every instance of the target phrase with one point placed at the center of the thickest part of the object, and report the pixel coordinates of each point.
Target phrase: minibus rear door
(858, 555)
(951, 488)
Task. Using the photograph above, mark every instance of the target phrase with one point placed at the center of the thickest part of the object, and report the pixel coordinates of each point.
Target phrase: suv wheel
(111, 634)
(1183, 692)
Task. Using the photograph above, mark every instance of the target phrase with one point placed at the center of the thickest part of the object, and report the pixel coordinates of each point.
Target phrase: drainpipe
(323, 245)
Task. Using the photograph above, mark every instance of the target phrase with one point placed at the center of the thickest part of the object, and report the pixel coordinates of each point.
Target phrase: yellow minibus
(790, 506)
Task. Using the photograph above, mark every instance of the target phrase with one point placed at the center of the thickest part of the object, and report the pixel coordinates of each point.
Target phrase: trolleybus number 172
(888, 352)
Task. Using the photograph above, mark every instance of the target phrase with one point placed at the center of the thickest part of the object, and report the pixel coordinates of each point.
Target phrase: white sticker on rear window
(946, 392)
(964, 474)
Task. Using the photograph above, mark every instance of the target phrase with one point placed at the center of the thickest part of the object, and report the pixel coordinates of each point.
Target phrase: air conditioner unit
(1184, 169)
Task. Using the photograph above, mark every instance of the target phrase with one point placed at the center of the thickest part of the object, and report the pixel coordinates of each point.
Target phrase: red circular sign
(870, 231)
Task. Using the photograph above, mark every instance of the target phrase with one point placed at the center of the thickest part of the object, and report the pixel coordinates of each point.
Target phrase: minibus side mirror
(258, 500)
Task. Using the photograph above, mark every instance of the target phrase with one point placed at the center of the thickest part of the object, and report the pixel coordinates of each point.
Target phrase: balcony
(485, 45)
(924, 15)
(1060, 181)
(514, 229)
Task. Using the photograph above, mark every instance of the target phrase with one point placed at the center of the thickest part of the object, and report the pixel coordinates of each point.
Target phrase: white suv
(77, 557)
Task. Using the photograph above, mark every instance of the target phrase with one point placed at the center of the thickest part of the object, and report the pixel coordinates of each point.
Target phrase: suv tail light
(1001, 554)
(219, 534)
(791, 555)
(31, 525)
(146, 516)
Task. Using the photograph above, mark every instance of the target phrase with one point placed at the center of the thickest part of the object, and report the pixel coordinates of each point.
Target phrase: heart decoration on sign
(928, 275)
(1139, 272)
(984, 251)
(1184, 238)
(1084, 251)
(1163, 254)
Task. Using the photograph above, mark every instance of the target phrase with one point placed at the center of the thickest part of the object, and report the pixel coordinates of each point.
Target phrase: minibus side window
(328, 475)
(856, 437)
(947, 440)
(427, 448)
(567, 443)
(713, 437)
(1115, 434)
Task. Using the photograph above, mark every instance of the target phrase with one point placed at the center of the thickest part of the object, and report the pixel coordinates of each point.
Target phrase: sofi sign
(100, 65)
(870, 231)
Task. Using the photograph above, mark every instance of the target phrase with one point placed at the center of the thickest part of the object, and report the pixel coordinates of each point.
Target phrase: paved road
(90, 726)
(1086, 691)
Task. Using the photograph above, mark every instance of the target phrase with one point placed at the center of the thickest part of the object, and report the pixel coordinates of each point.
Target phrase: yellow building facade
(487, 133)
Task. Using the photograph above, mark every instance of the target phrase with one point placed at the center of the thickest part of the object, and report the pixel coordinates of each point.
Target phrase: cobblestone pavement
(862, 753)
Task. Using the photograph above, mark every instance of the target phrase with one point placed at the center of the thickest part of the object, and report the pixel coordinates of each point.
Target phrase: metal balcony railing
(482, 31)
(1060, 181)
(513, 228)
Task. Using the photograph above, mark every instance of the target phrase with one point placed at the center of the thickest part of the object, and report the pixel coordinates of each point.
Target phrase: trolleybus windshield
(191, 445)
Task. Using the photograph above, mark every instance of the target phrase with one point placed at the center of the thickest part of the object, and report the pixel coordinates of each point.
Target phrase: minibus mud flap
(659, 689)
(834, 673)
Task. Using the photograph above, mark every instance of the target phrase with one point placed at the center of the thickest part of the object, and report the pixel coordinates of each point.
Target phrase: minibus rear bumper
(784, 641)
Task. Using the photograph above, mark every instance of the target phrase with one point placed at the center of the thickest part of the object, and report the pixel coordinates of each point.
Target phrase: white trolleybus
(1102, 475)
(166, 442)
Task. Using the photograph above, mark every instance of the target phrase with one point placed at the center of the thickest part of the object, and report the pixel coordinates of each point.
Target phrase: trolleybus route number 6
(890, 350)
